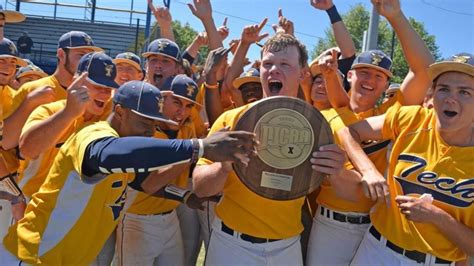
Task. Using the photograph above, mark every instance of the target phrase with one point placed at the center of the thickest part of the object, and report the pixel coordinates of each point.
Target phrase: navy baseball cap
(143, 99)
(251, 75)
(183, 87)
(129, 58)
(12, 16)
(374, 59)
(100, 68)
(29, 70)
(163, 47)
(8, 49)
(462, 62)
(77, 40)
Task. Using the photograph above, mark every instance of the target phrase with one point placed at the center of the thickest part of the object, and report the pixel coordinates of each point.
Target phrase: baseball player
(249, 229)
(163, 60)
(81, 200)
(129, 67)
(341, 223)
(71, 47)
(427, 218)
(9, 60)
(29, 73)
(249, 86)
(149, 232)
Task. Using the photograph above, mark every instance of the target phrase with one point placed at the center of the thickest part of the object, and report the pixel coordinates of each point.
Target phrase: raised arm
(45, 134)
(164, 20)
(202, 9)
(337, 96)
(341, 34)
(417, 54)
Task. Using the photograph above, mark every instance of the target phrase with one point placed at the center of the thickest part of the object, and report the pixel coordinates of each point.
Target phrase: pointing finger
(262, 24)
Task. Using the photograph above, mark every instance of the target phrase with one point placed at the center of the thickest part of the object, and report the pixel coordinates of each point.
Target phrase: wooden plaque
(289, 131)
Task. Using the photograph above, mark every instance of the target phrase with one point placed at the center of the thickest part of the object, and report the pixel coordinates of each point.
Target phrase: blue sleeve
(133, 155)
(188, 57)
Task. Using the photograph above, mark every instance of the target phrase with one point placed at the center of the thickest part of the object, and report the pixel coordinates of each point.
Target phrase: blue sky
(452, 22)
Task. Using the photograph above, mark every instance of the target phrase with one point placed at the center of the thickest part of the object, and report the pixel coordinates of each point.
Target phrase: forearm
(416, 52)
(347, 185)
(13, 124)
(209, 180)
(160, 178)
(458, 233)
(238, 63)
(337, 96)
(214, 38)
(213, 99)
(135, 155)
(343, 39)
(44, 135)
(166, 31)
(193, 49)
(350, 141)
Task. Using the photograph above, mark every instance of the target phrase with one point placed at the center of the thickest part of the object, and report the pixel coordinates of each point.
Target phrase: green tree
(184, 36)
(357, 21)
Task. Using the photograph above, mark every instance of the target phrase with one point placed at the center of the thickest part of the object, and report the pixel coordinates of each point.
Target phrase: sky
(451, 21)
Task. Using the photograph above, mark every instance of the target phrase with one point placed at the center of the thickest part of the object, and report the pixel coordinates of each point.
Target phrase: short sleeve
(399, 118)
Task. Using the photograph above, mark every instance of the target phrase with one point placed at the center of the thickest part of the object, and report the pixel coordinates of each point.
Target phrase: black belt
(417, 256)
(161, 213)
(245, 237)
(345, 218)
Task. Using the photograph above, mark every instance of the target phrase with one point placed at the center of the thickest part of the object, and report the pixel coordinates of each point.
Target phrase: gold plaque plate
(289, 131)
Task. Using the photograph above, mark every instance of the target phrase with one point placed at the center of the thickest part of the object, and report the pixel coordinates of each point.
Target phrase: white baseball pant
(226, 249)
(333, 242)
(149, 240)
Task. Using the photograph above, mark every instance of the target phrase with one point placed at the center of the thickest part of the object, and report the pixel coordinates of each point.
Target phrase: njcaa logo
(286, 138)
(444, 189)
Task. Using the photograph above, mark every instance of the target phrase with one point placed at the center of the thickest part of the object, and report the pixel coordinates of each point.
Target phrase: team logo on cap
(461, 58)
(12, 48)
(190, 90)
(161, 102)
(128, 56)
(162, 45)
(249, 73)
(286, 138)
(376, 59)
(108, 70)
(88, 40)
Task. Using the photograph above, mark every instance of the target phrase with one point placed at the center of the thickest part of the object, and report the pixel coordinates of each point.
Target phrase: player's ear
(119, 111)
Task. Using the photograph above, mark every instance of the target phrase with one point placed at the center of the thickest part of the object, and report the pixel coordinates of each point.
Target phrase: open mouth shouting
(275, 86)
(450, 113)
(157, 78)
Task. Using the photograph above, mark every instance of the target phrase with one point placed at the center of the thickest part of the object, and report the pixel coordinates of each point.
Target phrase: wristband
(196, 150)
(175, 193)
(201, 148)
(212, 87)
(333, 14)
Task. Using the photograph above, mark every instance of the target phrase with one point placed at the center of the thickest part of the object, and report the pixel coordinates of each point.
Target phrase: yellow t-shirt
(28, 87)
(421, 162)
(142, 203)
(9, 157)
(33, 172)
(68, 220)
(245, 211)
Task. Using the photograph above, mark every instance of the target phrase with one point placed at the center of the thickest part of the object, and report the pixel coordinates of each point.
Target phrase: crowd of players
(124, 162)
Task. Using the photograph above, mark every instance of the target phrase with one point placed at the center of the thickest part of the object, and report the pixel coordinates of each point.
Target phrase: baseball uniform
(250, 229)
(421, 162)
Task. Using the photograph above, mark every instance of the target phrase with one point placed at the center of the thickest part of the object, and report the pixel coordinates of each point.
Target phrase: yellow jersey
(142, 203)
(28, 87)
(9, 157)
(33, 172)
(377, 151)
(245, 211)
(68, 220)
(421, 162)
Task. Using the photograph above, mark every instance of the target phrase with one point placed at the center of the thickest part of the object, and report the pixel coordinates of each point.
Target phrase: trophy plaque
(289, 131)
